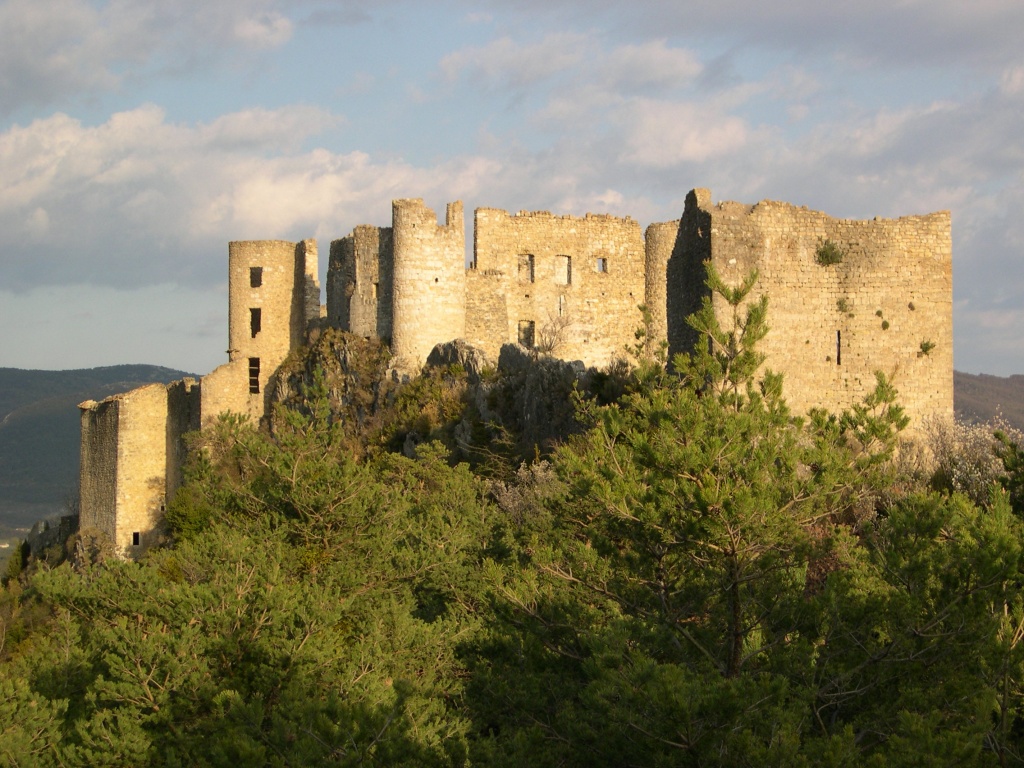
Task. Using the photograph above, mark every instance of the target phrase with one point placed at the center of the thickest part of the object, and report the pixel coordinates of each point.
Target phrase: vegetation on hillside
(693, 576)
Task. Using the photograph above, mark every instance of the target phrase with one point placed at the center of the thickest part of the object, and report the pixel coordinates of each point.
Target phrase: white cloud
(507, 63)
(49, 48)
(664, 133)
(265, 30)
(282, 129)
(55, 50)
(650, 63)
(1012, 81)
(911, 33)
(138, 200)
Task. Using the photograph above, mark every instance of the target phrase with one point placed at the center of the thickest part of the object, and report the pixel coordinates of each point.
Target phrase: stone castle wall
(569, 286)
(886, 306)
(184, 402)
(659, 242)
(429, 280)
(129, 452)
(97, 486)
(564, 285)
(133, 447)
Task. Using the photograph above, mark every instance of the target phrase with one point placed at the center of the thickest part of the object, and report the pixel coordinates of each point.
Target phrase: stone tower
(273, 296)
(659, 242)
(429, 289)
(132, 444)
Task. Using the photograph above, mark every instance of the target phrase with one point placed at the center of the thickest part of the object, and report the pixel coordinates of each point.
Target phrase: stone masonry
(132, 455)
(886, 305)
(561, 285)
(132, 446)
(273, 296)
(569, 286)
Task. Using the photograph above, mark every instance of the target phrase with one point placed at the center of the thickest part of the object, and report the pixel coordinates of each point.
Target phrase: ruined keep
(846, 299)
(566, 285)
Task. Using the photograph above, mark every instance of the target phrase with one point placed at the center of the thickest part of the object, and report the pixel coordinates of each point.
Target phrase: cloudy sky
(138, 137)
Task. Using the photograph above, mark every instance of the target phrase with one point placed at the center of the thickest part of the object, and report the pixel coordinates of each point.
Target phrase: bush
(965, 455)
(828, 253)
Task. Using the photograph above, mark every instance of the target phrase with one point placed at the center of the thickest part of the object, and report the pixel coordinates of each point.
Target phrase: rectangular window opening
(563, 270)
(376, 287)
(255, 321)
(839, 347)
(255, 277)
(562, 306)
(526, 333)
(526, 268)
(136, 538)
(254, 375)
(602, 264)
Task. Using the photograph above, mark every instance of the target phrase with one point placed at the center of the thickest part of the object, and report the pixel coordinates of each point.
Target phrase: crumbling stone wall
(884, 305)
(184, 402)
(684, 273)
(567, 285)
(659, 243)
(97, 485)
(360, 276)
(133, 449)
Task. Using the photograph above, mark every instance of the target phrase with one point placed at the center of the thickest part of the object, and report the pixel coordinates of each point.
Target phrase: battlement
(499, 212)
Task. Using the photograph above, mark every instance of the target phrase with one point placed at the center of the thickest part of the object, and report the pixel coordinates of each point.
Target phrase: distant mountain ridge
(39, 432)
(979, 397)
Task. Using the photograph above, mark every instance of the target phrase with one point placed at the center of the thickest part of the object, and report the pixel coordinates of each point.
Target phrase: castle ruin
(846, 298)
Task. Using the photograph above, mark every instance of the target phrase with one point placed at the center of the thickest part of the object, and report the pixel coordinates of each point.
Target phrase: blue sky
(138, 137)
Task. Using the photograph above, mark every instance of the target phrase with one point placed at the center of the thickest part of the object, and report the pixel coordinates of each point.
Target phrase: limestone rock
(460, 352)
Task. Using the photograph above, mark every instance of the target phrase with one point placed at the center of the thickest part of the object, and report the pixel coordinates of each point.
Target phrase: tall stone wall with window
(273, 296)
(429, 285)
(566, 285)
(132, 446)
(846, 298)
